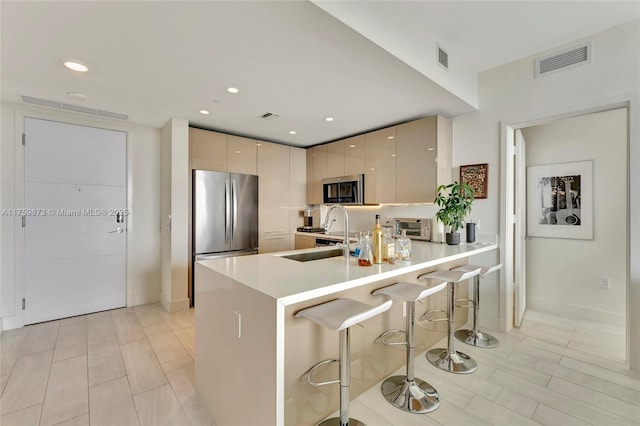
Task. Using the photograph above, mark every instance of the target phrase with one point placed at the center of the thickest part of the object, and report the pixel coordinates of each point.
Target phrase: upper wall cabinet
(423, 158)
(242, 155)
(316, 171)
(335, 159)
(222, 153)
(208, 150)
(401, 164)
(354, 155)
(380, 166)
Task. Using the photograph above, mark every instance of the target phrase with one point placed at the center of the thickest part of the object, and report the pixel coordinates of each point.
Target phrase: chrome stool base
(415, 396)
(335, 421)
(456, 362)
(477, 338)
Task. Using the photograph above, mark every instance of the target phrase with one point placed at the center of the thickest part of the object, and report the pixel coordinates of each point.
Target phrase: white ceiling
(157, 60)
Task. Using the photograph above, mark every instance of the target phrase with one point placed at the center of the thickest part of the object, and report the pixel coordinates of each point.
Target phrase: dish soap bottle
(377, 241)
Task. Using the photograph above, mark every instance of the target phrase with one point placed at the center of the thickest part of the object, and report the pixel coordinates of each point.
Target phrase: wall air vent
(559, 61)
(443, 57)
(74, 108)
(270, 115)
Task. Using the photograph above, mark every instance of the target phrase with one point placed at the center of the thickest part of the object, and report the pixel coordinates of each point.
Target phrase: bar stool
(407, 392)
(448, 359)
(475, 337)
(341, 315)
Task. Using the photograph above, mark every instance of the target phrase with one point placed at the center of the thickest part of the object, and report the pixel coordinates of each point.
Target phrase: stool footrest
(429, 315)
(313, 369)
(384, 341)
(469, 304)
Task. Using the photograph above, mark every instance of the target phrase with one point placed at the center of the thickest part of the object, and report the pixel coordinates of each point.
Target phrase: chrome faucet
(345, 243)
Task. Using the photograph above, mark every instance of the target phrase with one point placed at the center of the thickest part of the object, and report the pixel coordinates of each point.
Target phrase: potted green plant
(455, 202)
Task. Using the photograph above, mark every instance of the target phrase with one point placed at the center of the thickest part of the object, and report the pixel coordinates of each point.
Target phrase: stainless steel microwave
(343, 190)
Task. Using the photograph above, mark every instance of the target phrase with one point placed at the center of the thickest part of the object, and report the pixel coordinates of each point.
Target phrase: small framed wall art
(477, 176)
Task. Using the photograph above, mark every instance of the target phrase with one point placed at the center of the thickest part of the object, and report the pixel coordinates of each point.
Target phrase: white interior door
(520, 221)
(75, 228)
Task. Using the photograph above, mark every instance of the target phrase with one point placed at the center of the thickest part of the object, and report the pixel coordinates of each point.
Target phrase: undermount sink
(314, 255)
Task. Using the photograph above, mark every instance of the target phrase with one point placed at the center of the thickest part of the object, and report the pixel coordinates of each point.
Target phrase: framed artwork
(477, 176)
(560, 200)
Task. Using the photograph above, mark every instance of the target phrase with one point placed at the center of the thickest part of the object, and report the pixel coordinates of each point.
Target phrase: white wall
(143, 197)
(563, 275)
(510, 95)
(175, 204)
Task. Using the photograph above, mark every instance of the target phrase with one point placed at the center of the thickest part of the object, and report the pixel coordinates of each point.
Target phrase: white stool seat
(410, 292)
(451, 276)
(342, 313)
(484, 270)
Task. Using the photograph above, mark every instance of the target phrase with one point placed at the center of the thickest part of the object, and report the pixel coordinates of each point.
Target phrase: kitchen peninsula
(252, 354)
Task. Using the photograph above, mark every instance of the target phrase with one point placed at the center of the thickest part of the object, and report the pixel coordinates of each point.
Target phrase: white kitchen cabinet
(208, 150)
(380, 166)
(297, 186)
(273, 197)
(316, 171)
(423, 158)
(241, 155)
(354, 155)
(304, 241)
(335, 159)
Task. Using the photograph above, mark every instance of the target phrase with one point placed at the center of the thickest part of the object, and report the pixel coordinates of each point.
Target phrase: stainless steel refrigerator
(225, 215)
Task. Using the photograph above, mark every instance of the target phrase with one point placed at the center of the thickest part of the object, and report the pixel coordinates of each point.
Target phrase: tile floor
(134, 366)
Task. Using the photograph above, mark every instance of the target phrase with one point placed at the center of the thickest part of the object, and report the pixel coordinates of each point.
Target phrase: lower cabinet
(273, 243)
(304, 241)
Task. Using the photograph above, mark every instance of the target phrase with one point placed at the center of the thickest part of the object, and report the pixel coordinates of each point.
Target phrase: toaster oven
(417, 228)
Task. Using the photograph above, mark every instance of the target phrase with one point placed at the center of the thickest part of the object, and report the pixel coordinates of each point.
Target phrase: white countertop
(290, 281)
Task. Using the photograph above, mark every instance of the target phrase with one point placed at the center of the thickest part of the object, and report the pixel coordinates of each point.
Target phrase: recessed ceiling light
(431, 149)
(232, 90)
(204, 112)
(373, 168)
(328, 119)
(352, 146)
(76, 66)
(391, 137)
(394, 155)
(238, 152)
(292, 132)
(258, 144)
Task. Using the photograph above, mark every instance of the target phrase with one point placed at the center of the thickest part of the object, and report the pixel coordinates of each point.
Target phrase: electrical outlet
(605, 282)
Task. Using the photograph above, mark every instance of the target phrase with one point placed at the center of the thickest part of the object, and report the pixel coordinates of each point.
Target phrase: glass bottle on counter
(365, 257)
(403, 247)
(388, 245)
(377, 241)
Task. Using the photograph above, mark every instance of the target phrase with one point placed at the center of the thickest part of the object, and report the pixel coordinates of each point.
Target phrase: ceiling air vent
(270, 115)
(74, 108)
(443, 58)
(559, 61)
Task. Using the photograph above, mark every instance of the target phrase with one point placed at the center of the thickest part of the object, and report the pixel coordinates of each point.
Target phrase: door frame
(21, 113)
(507, 132)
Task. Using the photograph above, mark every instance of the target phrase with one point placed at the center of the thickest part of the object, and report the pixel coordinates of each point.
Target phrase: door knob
(117, 231)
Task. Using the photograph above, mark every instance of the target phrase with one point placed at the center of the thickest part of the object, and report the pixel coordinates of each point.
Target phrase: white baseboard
(174, 305)
(575, 311)
(9, 323)
(144, 299)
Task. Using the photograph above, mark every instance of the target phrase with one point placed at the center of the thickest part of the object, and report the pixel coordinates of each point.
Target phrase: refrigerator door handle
(234, 193)
(227, 211)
